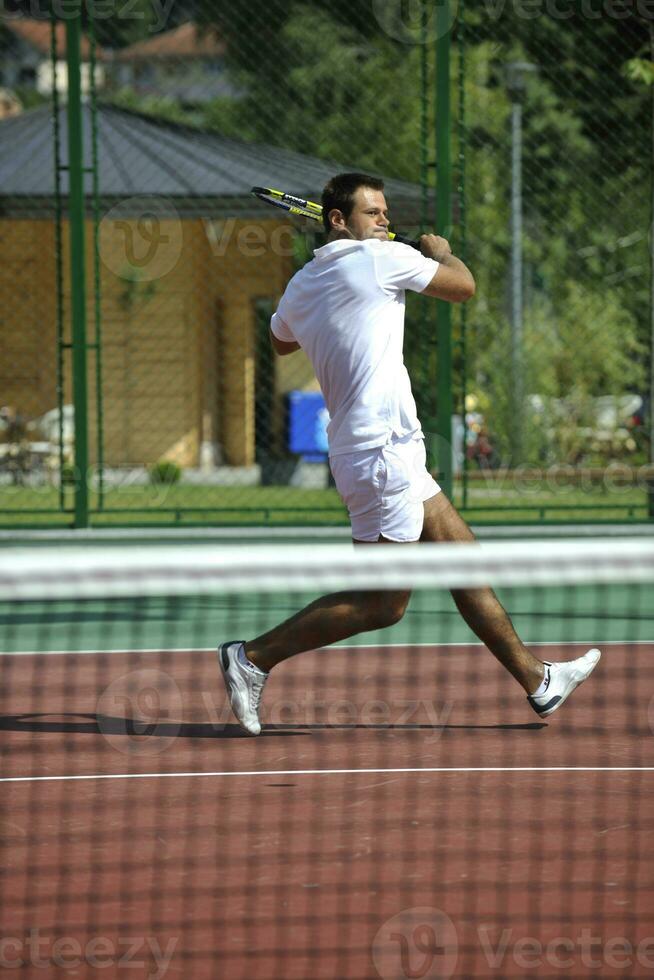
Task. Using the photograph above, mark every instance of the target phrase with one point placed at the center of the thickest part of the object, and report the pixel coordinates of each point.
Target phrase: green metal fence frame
(77, 265)
(444, 379)
(81, 513)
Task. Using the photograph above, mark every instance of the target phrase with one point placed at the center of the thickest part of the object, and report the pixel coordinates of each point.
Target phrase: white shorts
(384, 489)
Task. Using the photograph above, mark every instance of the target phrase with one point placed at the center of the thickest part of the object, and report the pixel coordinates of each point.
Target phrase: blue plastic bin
(307, 425)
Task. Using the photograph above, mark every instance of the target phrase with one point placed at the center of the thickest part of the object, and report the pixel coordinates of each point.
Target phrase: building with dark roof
(191, 267)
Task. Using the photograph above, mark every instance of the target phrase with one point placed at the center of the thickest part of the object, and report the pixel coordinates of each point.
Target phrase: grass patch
(180, 504)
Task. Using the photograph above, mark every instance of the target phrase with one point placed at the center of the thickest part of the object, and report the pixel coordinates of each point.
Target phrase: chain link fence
(555, 157)
(187, 105)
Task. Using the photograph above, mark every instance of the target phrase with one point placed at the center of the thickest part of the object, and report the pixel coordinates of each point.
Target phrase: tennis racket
(308, 209)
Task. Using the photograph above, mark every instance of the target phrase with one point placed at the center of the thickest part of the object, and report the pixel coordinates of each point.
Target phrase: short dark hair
(339, 193)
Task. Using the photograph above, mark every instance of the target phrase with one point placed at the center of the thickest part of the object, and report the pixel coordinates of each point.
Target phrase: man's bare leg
(327, 620)
(481, 608)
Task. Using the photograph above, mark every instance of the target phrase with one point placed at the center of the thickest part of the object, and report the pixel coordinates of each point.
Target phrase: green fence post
(444, 227)
(649, 422)
(77, 264)
(462, 246)
(59, 258)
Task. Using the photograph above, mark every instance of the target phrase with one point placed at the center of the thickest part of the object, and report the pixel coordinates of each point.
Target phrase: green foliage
(67, 475)
(585, 241)
(576, 351)
(29, 98)
(134, 291)
(165, 472)
(640, 70)
(160, 107)
(327, 99)
(303, 248)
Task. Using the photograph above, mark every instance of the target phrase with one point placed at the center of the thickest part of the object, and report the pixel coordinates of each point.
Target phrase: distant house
(186, 64)
(25, 60)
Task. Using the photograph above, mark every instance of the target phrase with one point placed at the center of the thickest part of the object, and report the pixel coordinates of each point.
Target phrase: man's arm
(281, 347)
(453, 280)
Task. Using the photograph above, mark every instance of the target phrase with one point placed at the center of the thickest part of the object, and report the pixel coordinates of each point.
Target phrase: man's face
(369, 217)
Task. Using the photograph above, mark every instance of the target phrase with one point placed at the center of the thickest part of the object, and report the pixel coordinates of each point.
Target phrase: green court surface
(595, 615)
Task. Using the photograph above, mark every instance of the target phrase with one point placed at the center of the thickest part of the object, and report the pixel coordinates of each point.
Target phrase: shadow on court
(95, 724)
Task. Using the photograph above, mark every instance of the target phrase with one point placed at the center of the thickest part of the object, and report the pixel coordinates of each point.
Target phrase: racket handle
(406, 241)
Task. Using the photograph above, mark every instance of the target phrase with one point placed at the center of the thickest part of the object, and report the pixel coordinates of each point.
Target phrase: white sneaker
(563, 679)
(244, 685)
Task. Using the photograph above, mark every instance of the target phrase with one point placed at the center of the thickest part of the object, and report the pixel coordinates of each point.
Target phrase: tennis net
(404, 812)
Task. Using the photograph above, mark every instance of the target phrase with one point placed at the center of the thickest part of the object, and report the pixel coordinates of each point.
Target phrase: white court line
(340, 646)
(319, 772)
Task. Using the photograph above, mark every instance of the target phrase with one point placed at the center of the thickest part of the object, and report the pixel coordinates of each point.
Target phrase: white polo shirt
(345, 308)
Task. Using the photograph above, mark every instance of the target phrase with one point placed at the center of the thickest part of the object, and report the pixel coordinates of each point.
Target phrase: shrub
(165, 472)
(67, 476)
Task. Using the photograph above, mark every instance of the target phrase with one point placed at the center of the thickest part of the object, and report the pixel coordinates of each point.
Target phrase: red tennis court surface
(311, 852)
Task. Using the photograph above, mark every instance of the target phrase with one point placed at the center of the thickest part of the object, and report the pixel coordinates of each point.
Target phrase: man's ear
(336, 219)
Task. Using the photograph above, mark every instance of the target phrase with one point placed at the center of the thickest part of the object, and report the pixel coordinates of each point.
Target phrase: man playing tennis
(345, 309)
